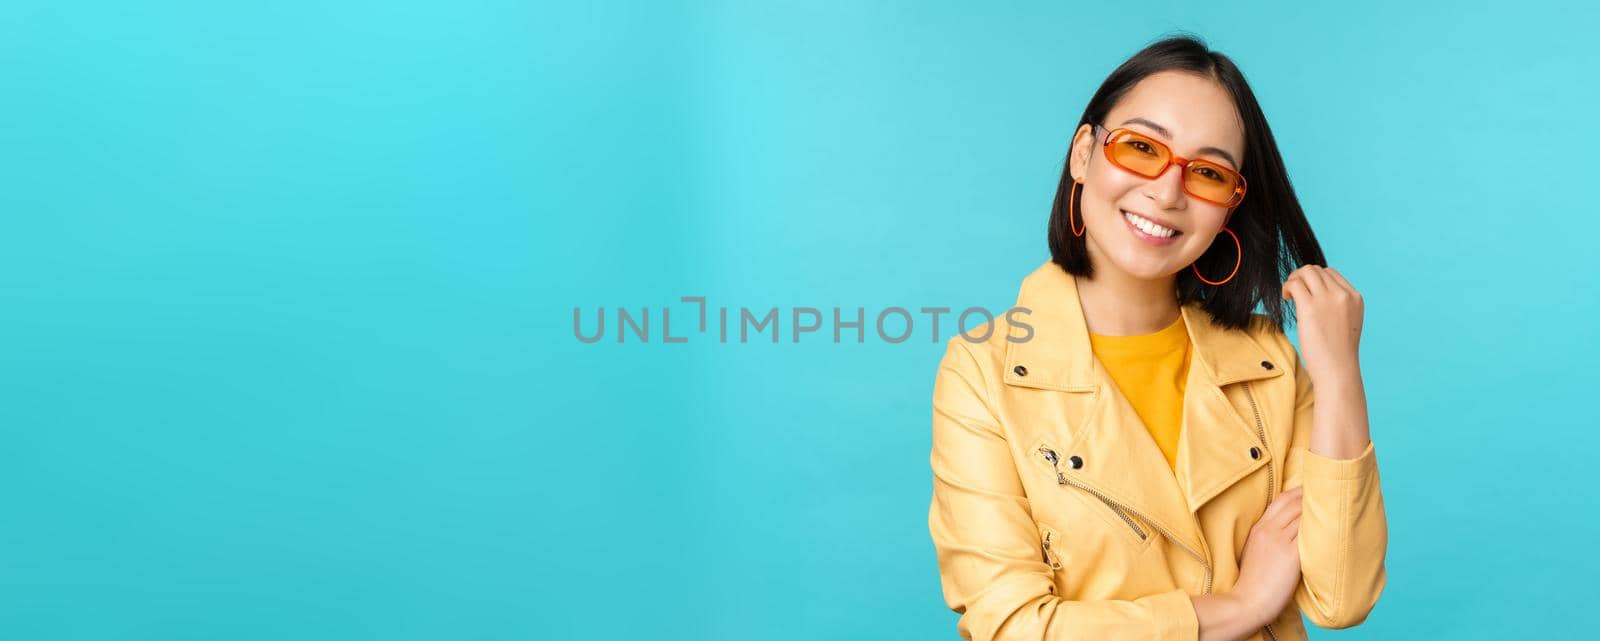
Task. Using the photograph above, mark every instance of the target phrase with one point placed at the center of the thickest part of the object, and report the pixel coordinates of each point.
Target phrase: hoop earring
(1071, 199)
(1239, 259)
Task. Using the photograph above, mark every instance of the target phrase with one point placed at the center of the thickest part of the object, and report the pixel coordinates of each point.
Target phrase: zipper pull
(1050, 455)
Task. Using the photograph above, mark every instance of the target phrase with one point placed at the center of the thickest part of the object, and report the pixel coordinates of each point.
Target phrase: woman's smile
(1148, 231)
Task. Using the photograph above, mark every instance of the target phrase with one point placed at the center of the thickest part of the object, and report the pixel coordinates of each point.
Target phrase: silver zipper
(1050, 455)
(1046, 548)
(1261, 433)
(1122, 511)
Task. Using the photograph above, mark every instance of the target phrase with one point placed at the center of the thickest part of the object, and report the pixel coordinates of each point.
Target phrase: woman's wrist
(1227, 616)
(1251, 609)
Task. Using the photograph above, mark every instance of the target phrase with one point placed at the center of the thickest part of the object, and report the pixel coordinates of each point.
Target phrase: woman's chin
(1139, 262)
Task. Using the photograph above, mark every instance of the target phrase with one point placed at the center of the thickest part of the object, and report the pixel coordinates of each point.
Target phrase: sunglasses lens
(1211, 182)
(1148, 157)
(1137, 154)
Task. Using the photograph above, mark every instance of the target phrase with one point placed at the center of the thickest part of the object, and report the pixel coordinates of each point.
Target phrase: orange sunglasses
(1145, 156)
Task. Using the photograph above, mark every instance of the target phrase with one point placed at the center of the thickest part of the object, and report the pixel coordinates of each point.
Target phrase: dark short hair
(1272, 228)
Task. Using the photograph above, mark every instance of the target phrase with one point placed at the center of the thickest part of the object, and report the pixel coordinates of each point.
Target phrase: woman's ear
(1082, 147)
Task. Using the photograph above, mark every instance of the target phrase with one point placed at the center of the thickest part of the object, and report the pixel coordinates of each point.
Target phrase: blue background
(288, 290)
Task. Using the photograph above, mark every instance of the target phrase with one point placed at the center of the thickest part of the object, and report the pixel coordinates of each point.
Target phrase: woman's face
(1189, 113)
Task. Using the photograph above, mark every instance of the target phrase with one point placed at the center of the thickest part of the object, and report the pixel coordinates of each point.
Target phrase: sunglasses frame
(1172, 159)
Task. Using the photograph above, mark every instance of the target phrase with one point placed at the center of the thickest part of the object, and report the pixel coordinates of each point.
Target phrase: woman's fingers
(1308, 280)
(1283, 508)
(1295, 289)
(1275, 507)
(1339, 278)
(1312, 275)
(1291, 514)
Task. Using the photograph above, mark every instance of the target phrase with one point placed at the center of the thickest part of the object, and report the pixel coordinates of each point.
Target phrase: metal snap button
(1255, 452)
(1076, 461)
(1266, 364)
(1020, 370)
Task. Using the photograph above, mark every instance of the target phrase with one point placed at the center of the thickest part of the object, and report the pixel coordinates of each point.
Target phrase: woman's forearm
(1339, 428)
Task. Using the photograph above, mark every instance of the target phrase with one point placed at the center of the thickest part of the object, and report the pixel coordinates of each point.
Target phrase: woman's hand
(1269, 573)
(1328, 314)
(1270, 570)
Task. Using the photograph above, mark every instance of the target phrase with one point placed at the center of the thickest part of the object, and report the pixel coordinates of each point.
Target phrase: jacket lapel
(1215, 439)
(1119, 457)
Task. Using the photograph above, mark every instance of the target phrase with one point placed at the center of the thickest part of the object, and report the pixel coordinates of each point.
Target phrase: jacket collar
(1059, 355)
(1122, 460)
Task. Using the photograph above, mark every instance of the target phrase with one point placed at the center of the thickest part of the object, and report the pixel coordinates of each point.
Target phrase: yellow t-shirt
(1151, 369)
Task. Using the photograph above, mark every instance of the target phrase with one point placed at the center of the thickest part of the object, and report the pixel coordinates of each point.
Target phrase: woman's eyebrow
(1166, 133)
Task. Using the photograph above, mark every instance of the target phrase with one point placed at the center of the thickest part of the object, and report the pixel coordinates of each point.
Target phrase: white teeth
(1148, 226)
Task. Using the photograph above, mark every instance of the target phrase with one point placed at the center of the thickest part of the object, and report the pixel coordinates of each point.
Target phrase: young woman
(1141, 455)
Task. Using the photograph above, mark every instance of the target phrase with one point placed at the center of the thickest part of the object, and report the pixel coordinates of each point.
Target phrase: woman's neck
(1116, 304)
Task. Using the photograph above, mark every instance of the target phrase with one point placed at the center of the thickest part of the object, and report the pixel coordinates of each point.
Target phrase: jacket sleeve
(991, 564)
(1344, 533)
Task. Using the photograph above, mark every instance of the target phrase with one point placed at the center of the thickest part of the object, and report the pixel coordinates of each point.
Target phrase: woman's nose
(1167, 189)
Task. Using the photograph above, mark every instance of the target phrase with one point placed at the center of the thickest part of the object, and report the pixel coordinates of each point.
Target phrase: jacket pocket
(1050, 546)
(1074, 502)
(1052, 550)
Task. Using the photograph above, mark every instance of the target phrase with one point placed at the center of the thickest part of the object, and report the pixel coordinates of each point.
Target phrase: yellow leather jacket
(1056, 517)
